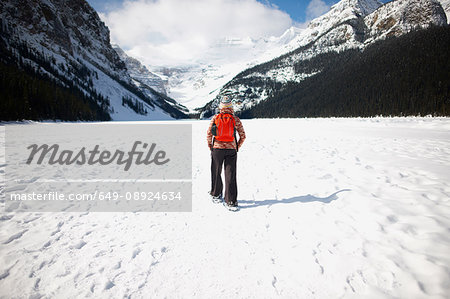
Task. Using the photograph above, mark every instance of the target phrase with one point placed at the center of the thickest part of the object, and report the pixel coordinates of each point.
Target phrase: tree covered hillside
(30, 93)
(407, 75)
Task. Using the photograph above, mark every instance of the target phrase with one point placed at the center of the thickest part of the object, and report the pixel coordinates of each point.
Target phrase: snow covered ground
(330, 208)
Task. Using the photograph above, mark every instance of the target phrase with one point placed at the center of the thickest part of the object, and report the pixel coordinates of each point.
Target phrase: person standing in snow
(221, 138)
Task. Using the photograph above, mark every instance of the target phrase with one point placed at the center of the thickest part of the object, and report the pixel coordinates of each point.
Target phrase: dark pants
(228, 157)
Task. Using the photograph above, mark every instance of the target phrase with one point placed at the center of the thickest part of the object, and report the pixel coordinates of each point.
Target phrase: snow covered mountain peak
(399, 16)
(362, 7)
(196, 84)
(339, 13)
(289, 34)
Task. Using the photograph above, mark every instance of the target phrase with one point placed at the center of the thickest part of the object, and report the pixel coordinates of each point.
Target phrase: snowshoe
(231, 207)
(216, 199)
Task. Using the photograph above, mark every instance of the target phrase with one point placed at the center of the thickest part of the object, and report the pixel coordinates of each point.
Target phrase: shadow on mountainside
(244, 204)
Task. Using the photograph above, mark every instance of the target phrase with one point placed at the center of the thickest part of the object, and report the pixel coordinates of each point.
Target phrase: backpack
(224, 127)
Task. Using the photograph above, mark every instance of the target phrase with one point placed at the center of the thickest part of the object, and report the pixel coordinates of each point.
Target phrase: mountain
(392, 77)
(195, 84)
(350, 24)
(64, 47)
(151, 85)
(339, 22)
(139, 73)
(446, 6)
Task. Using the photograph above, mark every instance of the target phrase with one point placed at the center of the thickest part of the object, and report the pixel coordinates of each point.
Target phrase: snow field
(329, 208)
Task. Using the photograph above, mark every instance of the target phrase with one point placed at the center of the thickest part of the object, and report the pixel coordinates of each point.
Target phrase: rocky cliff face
(349, 24)
(75, 43)
(345, 12)
(446, 6)
(139, 73)
(400, 16)
(68, 28)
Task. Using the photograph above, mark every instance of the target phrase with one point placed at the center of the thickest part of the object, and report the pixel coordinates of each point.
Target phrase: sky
(161, 31)
(297, 9)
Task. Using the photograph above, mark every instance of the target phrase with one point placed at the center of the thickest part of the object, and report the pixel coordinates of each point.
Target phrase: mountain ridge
(75, 45)
(390, 77)
(349, 30)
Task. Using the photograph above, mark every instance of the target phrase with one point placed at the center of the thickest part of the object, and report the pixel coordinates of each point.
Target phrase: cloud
(176, 32)
(316, 8)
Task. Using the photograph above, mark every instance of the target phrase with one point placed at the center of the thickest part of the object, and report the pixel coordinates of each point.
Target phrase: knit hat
(225, 102)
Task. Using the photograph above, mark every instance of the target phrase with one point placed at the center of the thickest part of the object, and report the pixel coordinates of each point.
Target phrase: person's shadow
(244, 204)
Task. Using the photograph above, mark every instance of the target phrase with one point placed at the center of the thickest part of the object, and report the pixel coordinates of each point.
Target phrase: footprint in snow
(31, 219)
(36, 284)
(32, 180)
(17, 188)
(4, 274)
(326, 177)
(100, 253)
(392, 218)
(6, 217)
(118, 265)
(15, 237)
(158, 254)
(135, 253)
(316, 260)
(109, 285)
(47, 244)
(58, 228)
(79, 245)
